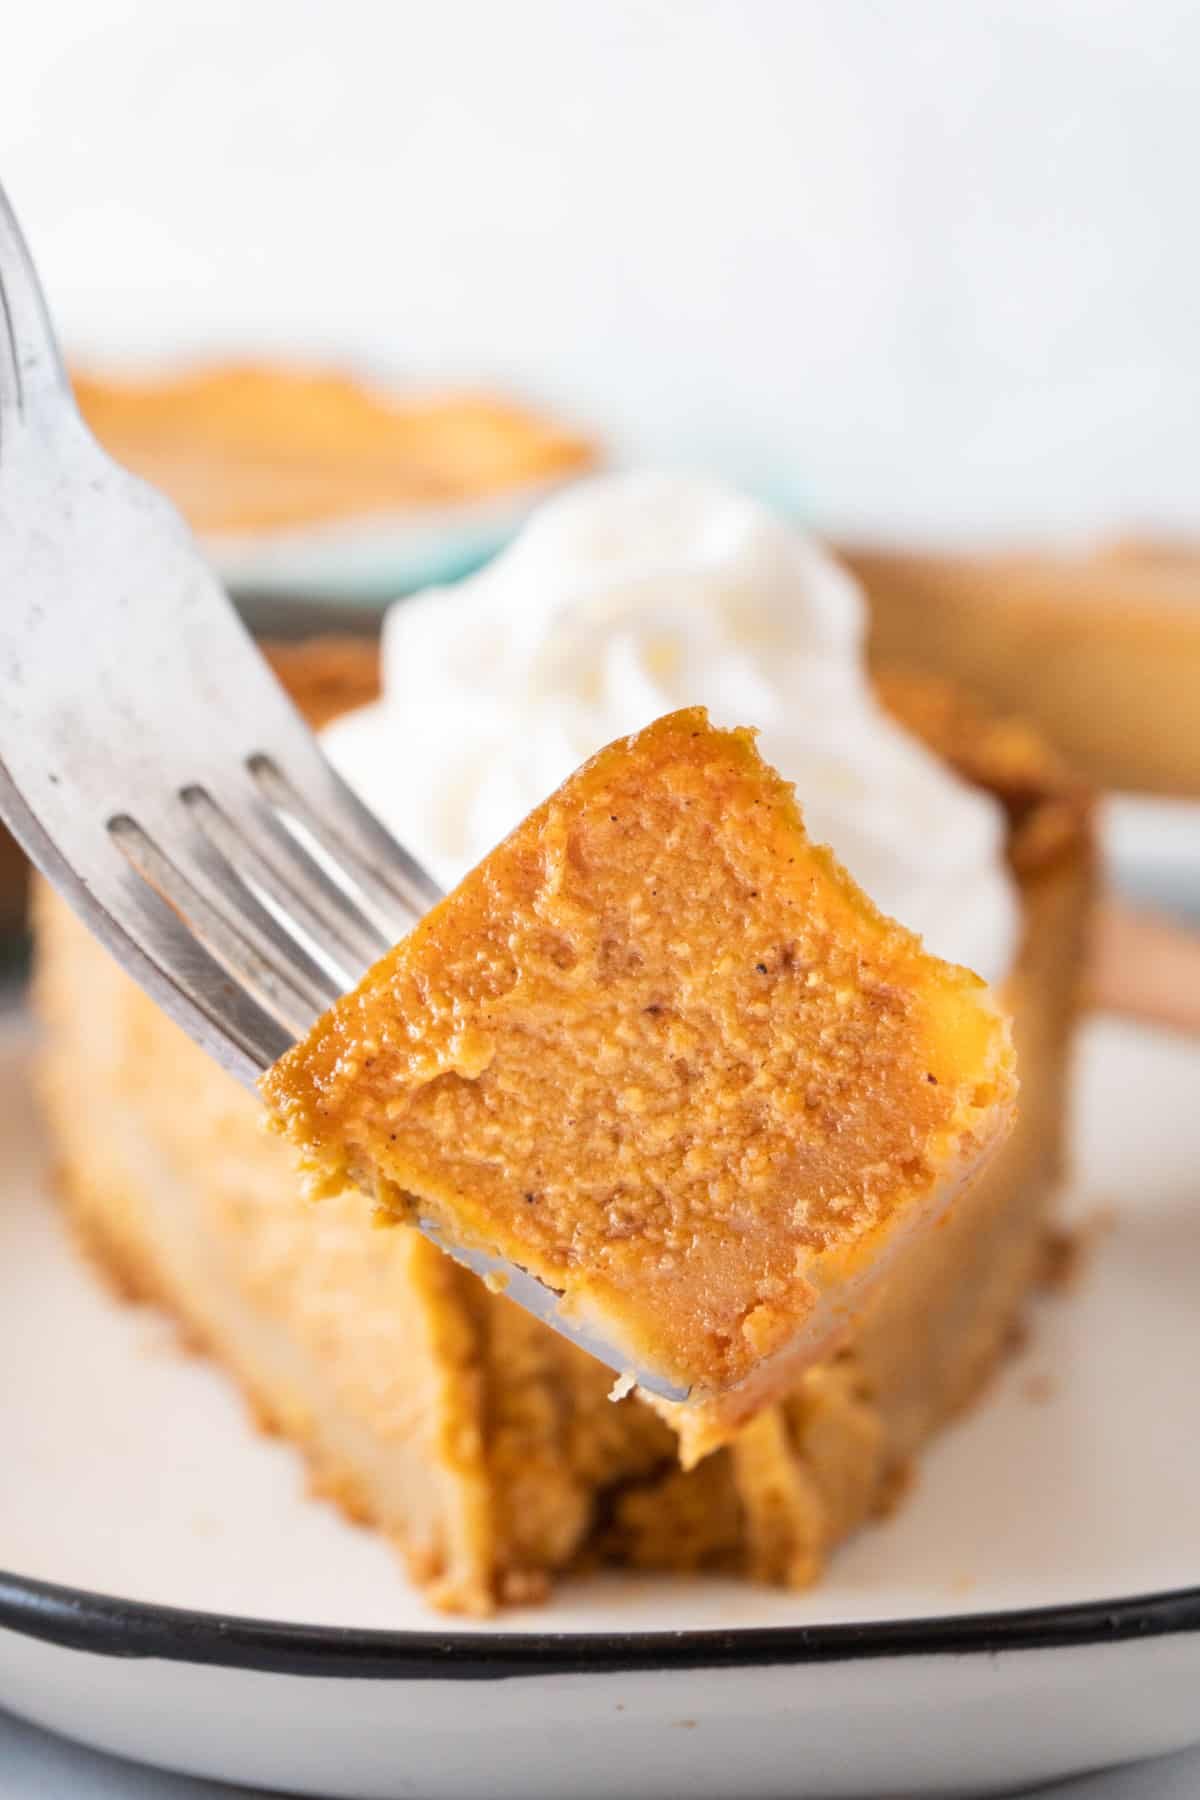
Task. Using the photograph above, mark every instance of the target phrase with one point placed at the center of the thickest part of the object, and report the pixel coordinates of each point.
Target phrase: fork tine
(257, 847)
(229, 886)
(392, 883)
(29, 354)
(157, 949)
(193, 987)
(276, 992)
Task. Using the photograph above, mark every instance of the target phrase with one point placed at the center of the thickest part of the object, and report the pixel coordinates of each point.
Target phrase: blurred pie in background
(243, 447)
(1100, 648)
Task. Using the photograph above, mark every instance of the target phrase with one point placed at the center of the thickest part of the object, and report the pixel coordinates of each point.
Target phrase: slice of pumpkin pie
(660, 1051)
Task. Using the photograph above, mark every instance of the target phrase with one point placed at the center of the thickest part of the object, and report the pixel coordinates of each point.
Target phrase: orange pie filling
(660, 1051)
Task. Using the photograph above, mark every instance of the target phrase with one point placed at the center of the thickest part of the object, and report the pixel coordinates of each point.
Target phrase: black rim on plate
(109, 1626)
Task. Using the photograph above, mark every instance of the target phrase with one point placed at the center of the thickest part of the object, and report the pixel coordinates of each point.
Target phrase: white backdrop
(933, 265)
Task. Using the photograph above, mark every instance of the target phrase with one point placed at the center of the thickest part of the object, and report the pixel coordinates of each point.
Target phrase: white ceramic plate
(1032, 1610)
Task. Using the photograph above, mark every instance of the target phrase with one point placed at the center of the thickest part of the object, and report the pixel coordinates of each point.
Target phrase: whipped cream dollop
(630, 596)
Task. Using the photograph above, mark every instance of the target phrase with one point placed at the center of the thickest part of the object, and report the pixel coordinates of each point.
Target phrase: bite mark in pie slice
(660, 1051)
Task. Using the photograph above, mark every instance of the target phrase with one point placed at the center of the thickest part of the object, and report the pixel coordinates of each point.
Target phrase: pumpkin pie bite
(660, 1051)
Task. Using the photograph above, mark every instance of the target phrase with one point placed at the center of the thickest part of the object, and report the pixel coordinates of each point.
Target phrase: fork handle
(30, 360)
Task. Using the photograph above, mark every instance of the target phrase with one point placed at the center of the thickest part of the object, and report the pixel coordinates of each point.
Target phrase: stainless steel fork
(150, 764)
(153, 768)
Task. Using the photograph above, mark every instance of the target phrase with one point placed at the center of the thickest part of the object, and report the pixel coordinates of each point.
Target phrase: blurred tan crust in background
(1100, 650)
(241, 447)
